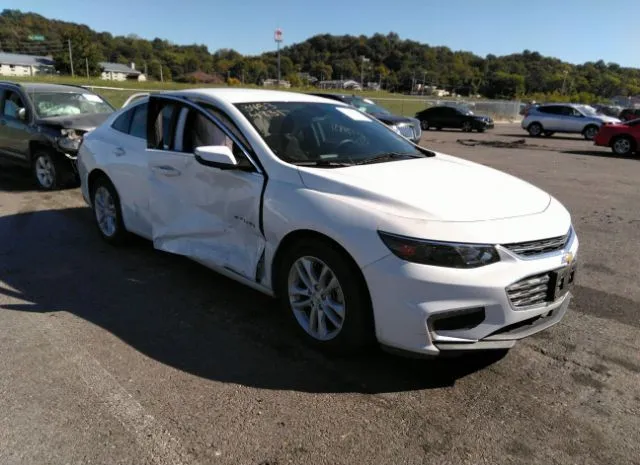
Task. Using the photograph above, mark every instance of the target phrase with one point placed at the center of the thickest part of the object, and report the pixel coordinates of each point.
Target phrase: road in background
(135, 356)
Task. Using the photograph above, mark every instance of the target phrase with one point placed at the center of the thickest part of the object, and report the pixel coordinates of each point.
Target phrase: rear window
(553, 110)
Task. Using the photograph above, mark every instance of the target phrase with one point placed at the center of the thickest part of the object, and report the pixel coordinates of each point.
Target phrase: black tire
(424, 124)
(49, 171)
(120, 235)
(590, 132)
(357, 332)
(467, 126)
(481, 129)
(535, 129)
(623, 146)
(549, 133)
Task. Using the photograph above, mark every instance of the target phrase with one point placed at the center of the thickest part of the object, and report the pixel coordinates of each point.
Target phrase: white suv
(569, 118)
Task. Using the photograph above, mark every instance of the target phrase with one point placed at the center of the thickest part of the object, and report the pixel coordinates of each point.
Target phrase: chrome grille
(539, 247)
(533, 290)
(406, 130)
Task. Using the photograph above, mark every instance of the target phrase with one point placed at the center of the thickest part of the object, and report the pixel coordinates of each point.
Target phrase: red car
(623, 138)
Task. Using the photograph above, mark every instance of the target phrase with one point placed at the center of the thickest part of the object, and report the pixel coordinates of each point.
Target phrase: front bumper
(409, 298)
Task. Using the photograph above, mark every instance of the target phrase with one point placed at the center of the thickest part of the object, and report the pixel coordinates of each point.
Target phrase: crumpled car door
(207, 214)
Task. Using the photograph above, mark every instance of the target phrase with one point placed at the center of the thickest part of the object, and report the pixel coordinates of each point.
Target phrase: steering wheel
(344, 143)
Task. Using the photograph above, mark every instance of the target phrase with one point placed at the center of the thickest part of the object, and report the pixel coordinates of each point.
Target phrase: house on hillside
(120, 72)
(12, 64)
(275, 83)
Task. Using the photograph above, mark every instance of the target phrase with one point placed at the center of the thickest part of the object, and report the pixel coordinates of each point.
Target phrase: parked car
(360, 234)
(564, 117)
(623, 138)
(407, 127)
(440, 117)
(608, 110)
(42, 125)
(629, 114)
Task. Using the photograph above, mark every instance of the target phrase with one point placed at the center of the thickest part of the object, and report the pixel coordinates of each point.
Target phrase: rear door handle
(166, 170)
(119, 152)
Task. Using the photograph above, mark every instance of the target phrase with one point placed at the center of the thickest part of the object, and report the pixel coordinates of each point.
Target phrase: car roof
(45, 87)
(242, 95)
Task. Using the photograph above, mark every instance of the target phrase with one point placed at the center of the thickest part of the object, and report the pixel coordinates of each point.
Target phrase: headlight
(436, 253)
(70, 140)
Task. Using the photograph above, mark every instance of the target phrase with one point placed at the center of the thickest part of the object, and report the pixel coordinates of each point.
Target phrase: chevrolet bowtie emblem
(567, 258)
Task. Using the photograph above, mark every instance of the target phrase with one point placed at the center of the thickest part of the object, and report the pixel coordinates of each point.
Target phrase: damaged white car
(362, 235)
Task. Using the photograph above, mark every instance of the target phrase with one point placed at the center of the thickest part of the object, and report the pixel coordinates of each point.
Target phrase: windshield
(368, 106)
(307, 133)
(50, 104)
(587, 110)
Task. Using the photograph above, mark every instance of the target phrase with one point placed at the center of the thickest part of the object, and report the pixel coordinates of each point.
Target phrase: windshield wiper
(322, 163)
(388, 157)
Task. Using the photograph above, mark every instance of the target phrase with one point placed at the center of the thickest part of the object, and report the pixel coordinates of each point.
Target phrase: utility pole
(86, 62)
(161, 77)
(424, 82)
(70, 57)
(564, 80)
(145, 69)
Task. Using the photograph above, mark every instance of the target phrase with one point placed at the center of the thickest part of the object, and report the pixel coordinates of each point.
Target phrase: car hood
(440, 188)
(81, 122)
(607, 119)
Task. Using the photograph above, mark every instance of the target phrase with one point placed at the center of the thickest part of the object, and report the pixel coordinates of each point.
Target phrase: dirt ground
(130, 355)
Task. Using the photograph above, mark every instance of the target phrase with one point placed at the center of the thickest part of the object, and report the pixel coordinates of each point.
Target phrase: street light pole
(278, 38)
(364, 60)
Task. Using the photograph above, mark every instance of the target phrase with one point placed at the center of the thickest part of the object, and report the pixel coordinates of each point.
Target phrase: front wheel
(622, 146)
(324, 294)
(590, 132)
(49, 172)
(467, 126)
(107, 212)
(424, 124)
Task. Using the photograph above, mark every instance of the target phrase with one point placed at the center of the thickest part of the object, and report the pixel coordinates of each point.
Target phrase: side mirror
(216, 156)
(22, 114)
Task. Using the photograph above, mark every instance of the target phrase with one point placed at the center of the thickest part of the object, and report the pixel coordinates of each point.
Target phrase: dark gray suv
(41, 128)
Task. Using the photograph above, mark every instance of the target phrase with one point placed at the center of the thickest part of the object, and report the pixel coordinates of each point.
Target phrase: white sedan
(362, 235)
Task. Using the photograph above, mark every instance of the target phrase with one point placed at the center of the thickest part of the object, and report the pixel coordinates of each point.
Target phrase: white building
(12, 64)
(119, 72)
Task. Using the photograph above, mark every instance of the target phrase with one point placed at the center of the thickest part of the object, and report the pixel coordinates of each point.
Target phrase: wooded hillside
(395, 62)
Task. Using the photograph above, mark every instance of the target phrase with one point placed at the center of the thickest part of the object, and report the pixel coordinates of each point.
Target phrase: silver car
(564, 117)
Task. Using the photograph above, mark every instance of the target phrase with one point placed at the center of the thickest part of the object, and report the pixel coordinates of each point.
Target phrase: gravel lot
(135, 356)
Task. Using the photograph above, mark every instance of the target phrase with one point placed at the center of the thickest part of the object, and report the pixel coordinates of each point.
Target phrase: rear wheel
(535, 129)
(623, 146)
(590, 132)
(107, 211)
(325, 296)
(424, 124)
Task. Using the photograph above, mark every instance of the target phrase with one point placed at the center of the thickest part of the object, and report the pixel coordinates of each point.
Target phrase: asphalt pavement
(131, 355)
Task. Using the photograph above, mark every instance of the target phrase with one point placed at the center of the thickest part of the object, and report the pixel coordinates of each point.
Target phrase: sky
(572, 30)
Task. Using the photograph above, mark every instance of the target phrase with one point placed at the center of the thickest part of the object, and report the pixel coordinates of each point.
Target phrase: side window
(12, 103)
(200, 131)
(161, 122)
(139, 121)
(122, 122)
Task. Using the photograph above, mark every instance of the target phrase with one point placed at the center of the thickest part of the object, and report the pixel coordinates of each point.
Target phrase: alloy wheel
(105, 211)
(316, 298)
(45, 171)
(622, 146)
